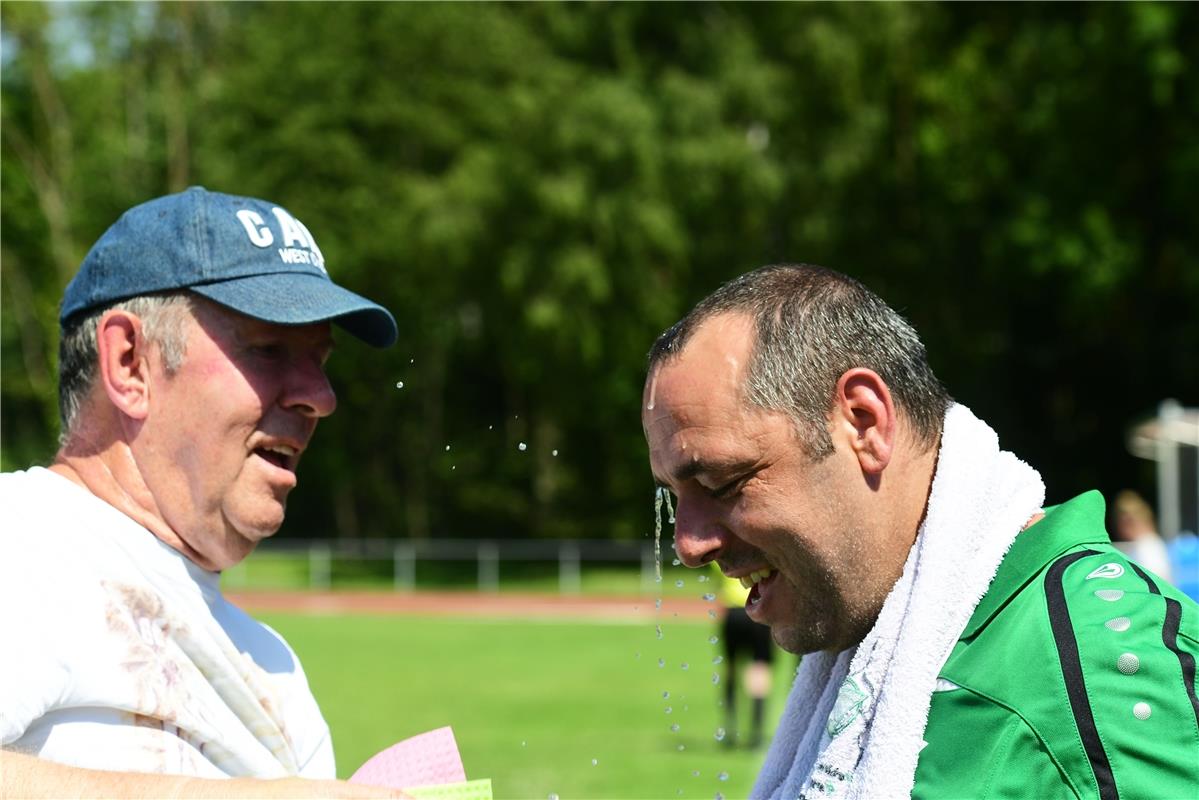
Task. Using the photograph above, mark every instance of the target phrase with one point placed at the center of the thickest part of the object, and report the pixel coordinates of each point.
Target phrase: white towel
(854, 722)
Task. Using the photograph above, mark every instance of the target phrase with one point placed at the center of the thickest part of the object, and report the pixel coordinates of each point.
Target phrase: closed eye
(727, 490)
(272, 351)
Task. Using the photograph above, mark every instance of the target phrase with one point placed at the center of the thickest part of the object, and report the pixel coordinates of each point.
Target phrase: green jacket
(1075, 677)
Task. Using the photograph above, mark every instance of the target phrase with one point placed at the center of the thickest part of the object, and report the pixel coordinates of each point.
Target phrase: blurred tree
(538, 189)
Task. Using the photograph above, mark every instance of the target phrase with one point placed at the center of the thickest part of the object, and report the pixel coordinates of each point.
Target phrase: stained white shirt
(119, 653)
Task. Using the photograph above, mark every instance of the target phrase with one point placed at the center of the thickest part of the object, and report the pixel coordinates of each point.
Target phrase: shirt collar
(1076, 522)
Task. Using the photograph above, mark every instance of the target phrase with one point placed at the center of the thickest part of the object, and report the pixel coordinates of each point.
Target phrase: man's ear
(862, 404)
(122, 363)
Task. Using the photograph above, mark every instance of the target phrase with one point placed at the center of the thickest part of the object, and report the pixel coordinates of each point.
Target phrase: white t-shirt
(117, 652)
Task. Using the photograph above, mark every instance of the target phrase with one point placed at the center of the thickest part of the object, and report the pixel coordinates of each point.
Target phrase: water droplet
(695, 773)
(661, 662)
(412, 361)
(715, 678)
(686, 665)
(658, 630)
(682, 747)
(637, 655)
(665, 695)
(702, 579)
(676, 562)
(711, 613)
(594, 762)
(710, 597)
(720, 734)
(669, 709)
(679, 583)
(490, 427)
(453, 467)
(553, 796)
(399, 384)
(724, 776)
(713, 639)
(658, 603)
(447, 448)
(554, 454)
(718, 659)
(522, 447)
(719, 796)
(674, 728)
(522, 744)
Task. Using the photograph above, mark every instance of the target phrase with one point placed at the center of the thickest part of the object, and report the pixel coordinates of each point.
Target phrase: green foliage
(536, 190)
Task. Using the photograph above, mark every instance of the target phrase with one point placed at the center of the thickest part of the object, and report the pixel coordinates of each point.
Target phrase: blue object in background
(1184, 561)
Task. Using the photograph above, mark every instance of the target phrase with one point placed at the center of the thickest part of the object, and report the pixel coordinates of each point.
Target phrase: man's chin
(802, 640)
(241, 539)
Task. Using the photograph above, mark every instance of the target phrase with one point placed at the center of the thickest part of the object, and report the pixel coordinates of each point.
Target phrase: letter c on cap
(256, 229)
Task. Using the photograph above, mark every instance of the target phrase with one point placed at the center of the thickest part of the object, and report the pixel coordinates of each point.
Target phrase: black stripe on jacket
(1076, 689)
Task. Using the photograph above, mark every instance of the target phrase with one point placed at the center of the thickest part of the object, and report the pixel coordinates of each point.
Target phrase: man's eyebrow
(700, 466)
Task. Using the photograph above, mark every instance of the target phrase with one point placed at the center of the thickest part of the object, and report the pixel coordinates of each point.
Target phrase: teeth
(749, 580)
(282, 449)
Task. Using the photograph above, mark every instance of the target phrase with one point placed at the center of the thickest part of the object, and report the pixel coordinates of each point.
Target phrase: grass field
(563, 707)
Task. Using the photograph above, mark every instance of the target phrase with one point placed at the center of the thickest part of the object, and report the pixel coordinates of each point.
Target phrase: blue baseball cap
(245, 254)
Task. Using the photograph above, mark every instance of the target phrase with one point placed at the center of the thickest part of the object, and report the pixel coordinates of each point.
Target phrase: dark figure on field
(744, 641)
(965, 639)
(191, 380)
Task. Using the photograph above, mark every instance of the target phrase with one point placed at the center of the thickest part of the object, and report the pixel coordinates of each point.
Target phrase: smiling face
(749, 497)
(219, 447)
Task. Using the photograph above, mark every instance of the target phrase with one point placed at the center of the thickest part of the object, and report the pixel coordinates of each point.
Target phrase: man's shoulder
(38, 489)
(1087, 664)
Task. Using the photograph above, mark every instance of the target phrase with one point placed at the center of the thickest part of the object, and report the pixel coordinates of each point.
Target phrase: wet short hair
(811, 325)
(163, 316)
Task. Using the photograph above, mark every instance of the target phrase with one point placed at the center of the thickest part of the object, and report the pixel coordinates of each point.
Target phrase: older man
(192, 378)
(966, 640)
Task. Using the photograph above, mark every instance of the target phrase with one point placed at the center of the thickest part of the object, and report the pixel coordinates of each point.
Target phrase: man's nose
(308, 390)
(699, 533)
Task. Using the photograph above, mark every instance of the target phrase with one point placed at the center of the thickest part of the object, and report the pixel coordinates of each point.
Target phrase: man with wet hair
(962, 638)
(192, 378)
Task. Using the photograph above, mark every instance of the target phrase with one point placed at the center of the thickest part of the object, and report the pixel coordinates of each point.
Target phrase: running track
(472, 604)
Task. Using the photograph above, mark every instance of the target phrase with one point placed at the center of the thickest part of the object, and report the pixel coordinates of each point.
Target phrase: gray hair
(163, 317)
(812, 325)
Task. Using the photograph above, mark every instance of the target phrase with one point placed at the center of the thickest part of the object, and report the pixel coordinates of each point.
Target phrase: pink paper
(422, 760)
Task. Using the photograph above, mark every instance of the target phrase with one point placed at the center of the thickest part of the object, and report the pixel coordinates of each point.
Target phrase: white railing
(488, 554)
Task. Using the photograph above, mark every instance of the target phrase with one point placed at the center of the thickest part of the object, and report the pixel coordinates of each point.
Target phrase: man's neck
(110, 472)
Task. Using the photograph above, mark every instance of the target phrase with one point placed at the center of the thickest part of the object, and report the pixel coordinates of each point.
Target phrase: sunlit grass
(533, 703)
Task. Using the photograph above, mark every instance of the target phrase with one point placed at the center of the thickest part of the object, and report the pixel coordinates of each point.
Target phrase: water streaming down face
(661, 497)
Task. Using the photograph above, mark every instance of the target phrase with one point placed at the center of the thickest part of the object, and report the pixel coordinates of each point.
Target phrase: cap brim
(298, 298)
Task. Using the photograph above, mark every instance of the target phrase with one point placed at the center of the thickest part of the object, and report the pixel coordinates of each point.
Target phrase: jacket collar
(1076, 522)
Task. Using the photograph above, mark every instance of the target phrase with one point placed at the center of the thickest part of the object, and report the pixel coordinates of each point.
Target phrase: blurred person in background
(1135, 534)
(192, 376)
(742, 637)
(965, 638)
